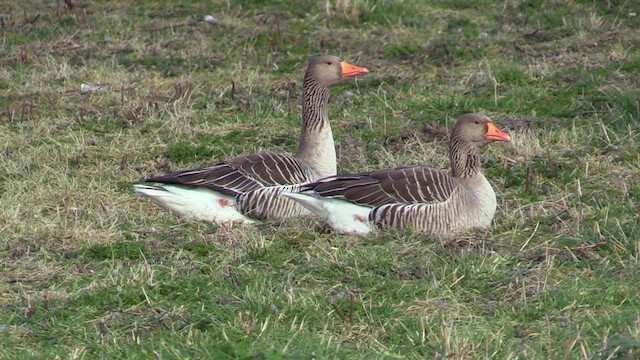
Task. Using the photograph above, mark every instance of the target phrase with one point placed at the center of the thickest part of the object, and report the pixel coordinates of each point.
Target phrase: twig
(527, 180)
(351, 306)
(159, 28)
(338, 310)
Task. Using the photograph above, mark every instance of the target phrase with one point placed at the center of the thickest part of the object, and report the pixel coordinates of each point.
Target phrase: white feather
(195, 203)
(343, 216)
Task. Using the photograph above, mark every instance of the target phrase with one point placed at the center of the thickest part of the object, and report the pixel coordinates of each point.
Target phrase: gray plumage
(254, 180)
(428, 200)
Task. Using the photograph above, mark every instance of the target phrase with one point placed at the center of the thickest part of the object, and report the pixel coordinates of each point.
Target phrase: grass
(91, 271)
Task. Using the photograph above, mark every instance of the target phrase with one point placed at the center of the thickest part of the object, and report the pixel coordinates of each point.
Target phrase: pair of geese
(260, 186)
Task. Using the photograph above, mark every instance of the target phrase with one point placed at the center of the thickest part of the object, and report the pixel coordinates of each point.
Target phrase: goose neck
(316, 147)
(464, 157)
(315, 98)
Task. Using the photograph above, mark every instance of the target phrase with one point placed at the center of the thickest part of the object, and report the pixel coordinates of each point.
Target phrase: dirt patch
(517, 124)
(468, 245)
(412, 273)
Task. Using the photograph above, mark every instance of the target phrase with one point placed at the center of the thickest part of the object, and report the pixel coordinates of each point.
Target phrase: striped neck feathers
(315, 98)
(464, 157)
(316, 147)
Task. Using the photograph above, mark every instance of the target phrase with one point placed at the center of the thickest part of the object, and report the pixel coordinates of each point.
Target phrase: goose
(246, 188)
(428, 200)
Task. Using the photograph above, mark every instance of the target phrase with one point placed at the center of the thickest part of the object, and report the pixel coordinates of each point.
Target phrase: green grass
(88, 270)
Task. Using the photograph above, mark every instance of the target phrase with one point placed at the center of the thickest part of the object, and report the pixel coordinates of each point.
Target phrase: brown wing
(243, 173)
(405, 185)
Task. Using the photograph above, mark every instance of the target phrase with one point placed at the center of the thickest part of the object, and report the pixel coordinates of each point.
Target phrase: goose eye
(329, 62)
(477, 121)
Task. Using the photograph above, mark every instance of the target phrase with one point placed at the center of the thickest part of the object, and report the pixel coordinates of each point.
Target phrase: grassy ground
(90, 271)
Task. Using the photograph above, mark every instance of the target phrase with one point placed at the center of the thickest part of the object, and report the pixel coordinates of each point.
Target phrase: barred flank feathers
(267, 203)
(256, 181)
(428, 200)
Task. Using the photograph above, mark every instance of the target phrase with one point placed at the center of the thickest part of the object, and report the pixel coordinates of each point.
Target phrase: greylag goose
(246, 188)
(428, 200)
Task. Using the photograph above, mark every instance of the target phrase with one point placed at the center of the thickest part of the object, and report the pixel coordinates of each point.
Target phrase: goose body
(248, 188)
(427, 200)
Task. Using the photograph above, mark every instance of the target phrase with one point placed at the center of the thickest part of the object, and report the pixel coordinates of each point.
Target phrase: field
(95, 96)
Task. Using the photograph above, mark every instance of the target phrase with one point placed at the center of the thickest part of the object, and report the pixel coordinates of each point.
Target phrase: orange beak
(349, 71)
(495, 134)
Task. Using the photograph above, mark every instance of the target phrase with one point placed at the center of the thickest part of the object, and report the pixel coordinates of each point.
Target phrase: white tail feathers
(195, 203)
(344, 217)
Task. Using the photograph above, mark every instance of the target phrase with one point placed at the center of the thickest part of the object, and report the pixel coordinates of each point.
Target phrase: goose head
(478, 130)
(329, 70)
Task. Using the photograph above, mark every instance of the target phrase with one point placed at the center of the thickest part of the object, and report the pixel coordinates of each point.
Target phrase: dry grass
(88, 269)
